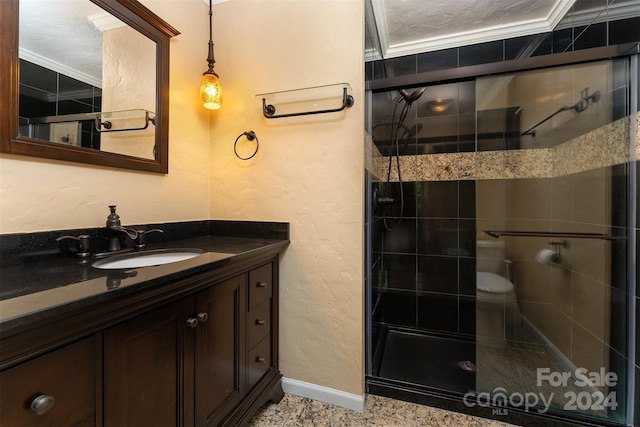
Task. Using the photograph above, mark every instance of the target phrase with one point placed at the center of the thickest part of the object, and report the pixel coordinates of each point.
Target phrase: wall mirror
(88, 81)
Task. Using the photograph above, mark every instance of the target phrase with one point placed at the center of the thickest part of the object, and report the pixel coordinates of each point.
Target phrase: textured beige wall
(308, 171)
(37, 195)
(126, 55)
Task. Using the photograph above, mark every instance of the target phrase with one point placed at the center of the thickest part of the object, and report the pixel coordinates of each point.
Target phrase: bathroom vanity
(188, 343)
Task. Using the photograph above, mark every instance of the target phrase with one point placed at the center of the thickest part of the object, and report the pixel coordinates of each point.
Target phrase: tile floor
(379, 411)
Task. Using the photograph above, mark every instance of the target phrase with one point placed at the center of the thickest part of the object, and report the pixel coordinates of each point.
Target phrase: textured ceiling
(412, 26)
(65, 36)
(402, 27)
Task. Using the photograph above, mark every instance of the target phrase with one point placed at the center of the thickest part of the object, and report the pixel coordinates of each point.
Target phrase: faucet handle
(82, 245)
(140, 240)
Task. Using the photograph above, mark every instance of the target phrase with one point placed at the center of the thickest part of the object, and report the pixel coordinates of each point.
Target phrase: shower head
(409, 98)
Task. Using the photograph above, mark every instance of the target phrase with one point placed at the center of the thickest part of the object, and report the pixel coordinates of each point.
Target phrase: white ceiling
(65, 36)
(404, 27)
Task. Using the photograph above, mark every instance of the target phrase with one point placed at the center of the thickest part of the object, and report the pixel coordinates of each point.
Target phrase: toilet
(497, 310)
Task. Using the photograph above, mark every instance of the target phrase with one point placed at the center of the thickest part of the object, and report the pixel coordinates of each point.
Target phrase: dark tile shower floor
(427, 360)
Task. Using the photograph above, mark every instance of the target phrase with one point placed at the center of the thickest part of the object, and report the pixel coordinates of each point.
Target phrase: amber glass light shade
(211, 91)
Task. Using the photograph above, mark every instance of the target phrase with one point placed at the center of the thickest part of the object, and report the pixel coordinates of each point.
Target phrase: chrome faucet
(114, 224)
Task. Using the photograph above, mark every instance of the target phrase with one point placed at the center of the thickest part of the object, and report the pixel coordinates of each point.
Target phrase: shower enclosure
(500, 242)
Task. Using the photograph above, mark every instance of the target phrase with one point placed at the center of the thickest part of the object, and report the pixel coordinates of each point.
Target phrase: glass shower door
(552, 166)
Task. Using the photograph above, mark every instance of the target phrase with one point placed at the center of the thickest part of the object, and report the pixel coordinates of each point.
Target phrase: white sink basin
(146, 258)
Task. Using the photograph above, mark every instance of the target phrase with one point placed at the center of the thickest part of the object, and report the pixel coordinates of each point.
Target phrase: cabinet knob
(260, 359)
(261, 284)
(202, 317)
(192, 322)
(42, 404)
(259, 322)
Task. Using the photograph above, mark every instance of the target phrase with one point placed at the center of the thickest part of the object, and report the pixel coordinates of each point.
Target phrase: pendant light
(210, 89)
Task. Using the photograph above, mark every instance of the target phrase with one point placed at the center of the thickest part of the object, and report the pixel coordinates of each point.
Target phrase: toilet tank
(490, 256)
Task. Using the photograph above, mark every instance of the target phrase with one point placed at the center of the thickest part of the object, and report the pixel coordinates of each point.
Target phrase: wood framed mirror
(122, 125)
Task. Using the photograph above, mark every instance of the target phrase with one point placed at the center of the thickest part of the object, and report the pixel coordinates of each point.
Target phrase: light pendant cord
(210, 57)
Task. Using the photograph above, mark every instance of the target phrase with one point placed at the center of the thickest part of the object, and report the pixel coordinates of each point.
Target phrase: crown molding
(59, 67)
(465, 38)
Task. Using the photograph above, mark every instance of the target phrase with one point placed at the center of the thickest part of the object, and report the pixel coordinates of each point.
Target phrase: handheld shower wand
(409, 99)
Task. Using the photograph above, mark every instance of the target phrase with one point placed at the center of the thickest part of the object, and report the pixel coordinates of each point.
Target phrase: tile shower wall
(424, 267)
(44, 93)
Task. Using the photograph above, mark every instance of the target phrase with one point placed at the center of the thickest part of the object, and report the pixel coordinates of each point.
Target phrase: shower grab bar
(567, 235)
(578, 107)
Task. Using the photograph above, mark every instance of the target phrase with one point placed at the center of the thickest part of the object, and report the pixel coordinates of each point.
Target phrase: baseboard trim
(324, 394)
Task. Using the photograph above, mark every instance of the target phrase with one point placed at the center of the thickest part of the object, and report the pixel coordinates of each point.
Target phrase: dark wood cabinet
(259, 323)
(143, 378)
(220, 351)
(200, 352)
(56, 389)
(180, 364)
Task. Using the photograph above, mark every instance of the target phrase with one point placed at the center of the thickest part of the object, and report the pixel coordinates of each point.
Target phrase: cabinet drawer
(260, 285)
(258, 323)
(67, 375)
(259, 361)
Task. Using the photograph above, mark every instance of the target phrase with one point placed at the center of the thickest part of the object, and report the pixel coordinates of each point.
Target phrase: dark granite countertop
(48, 282)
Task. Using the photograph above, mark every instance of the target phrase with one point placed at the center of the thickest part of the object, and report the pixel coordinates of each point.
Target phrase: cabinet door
(144, 369)
(220, 350)
(56, 389)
